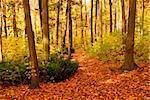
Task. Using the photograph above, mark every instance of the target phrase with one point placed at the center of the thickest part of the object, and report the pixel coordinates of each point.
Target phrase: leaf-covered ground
(92, 81)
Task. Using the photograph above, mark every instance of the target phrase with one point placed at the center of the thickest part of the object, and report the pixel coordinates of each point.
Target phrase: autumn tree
(81, 22)
(101, 19)
(65, 31)
(14, 19)
(96, 7)
(45, 30)
(123, 17)
(1, 11)
(129, 63)
(57, 21)
(31, 43)
(142, 26)
(4, 18)
(92, 22)
(110, 9)
(70, 29)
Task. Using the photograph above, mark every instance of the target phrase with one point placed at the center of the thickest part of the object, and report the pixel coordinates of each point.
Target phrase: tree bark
(31, 44)
(115, 20)
(81, 22)
(57, 25)
(65, 32)
(45, 31)
(101, 20)
(86, 25)
(14, 20)
(1, 10)
(4, 18)
(70, 29)
(96, 19)
(142, 26)
(129, 63)
(92, 22)
(110, 9)
(123, 17)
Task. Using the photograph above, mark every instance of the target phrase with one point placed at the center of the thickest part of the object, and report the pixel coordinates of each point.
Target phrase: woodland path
(92, 81)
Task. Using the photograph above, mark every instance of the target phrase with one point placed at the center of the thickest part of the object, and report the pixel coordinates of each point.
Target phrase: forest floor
(92, 81)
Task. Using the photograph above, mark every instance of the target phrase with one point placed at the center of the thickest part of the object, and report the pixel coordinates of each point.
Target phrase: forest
(74, 49)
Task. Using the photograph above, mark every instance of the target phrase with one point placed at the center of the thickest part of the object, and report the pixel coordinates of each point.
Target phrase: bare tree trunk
(123, 17)
(105, 23)
(65, 32)
(110, 9)
(1, 10)
(115, 20)
(92, 22)
(129, 63)
(57, 25)
(85, 22)
(96, 19)
(142, 26)
(14, 20)
(45, 31)
(81, 22)
(101, 20)
(31, 43)
(4, 17)
(70, 29)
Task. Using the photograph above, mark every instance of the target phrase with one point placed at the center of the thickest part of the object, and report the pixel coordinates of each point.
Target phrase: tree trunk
(115, 20)
(110, 8)
(101, 20)
(65, 32)
(105, 14)
(123, 17)
(31, 43)
(129, 63)
(45, 30)
(142, 26)
(14, 20)
(1, 57)
(96, 19)
(85, 22)
(4, 17)
(92, 22)
(40, 11)
(57, 25)
(70, 29)
(81, 17)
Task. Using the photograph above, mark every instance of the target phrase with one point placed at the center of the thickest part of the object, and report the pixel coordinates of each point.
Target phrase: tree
(14, 19)
(101, 19)
(70, 29)
(92, 22)
(110, 9)
(81, 18)
(1, 10)
(86, 19)
(65, 32)
(57, 22)
(115, 20)
(129, 63)
(45, 30)
(31, 43)
(142, 26)
(4, 17)
(123, 17)
(96, 7)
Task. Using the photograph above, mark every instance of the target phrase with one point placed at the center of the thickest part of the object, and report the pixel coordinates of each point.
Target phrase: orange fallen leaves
(92, 81)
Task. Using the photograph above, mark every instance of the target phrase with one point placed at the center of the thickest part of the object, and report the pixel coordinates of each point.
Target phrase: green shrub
(60, 69)
(12, 73)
